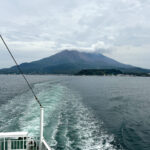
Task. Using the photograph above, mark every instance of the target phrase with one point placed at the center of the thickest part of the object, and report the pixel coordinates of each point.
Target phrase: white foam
(91, 135)
(50, 99)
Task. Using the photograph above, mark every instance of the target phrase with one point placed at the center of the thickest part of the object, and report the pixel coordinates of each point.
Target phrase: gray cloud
(48, 26)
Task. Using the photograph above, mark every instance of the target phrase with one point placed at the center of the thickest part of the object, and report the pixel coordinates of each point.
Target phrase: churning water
(81, 113)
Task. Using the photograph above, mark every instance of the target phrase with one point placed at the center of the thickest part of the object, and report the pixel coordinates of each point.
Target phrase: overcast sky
(34, 29)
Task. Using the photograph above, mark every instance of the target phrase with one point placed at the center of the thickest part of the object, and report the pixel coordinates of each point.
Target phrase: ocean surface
(81, 112)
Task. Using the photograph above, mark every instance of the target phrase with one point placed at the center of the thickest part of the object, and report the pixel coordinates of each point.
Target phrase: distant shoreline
(106, 75)
(110, 72)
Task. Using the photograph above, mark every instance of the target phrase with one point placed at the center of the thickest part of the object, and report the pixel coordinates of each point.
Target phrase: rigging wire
(21, 72)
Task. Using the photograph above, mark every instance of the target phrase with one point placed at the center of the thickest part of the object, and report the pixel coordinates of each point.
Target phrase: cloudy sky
(34, 29)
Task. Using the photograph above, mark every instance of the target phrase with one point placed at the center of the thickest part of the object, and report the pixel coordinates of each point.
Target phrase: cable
(21, 72)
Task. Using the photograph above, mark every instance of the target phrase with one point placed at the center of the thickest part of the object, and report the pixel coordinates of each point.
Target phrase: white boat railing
(22, 143)
(45, 146)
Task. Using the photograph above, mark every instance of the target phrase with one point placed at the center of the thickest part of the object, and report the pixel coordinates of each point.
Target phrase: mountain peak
(68, 62)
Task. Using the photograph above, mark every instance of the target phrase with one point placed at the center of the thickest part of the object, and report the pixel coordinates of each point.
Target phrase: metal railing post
(23, 143)
(41, 126)
(9, 144)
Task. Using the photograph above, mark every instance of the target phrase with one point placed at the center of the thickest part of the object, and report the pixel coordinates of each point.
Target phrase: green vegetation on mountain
(103, 72)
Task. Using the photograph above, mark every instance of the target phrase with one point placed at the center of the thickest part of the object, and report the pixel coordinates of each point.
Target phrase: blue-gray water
(81, 113)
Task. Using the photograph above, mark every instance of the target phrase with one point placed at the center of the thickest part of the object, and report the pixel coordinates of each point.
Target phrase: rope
(21, 72)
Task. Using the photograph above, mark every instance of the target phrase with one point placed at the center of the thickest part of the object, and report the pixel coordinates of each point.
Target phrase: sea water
(80, 112)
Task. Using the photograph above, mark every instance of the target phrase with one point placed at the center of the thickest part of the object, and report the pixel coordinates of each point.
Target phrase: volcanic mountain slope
(71, 62)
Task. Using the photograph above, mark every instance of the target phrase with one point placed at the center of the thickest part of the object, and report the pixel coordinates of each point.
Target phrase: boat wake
(69, 124)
